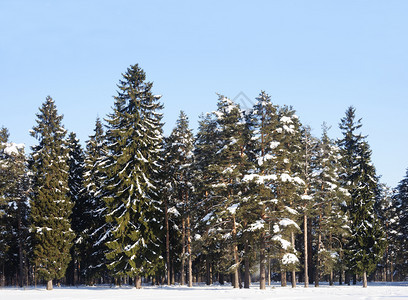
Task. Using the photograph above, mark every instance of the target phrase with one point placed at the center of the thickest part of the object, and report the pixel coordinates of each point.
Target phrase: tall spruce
(400, 226)
(367, 242)
(97, 229)
(328, 213)
(261, 208)
(79, 219)
(205, 146)
(14, 212)
(50, 205)
(134, 135)
(229, 168)
(179, 160)
(288, 189)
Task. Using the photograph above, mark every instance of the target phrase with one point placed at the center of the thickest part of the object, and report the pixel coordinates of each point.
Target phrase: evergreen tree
(260, 207)
(366, 244)
(79, 218)
(329, 218)
(204, 177)
(179, 160)
(133, 209)
(400, 225)
(288, 189)
(97, 229)
(387, 209)
(14, 182)
(228, 169)
(50, 204)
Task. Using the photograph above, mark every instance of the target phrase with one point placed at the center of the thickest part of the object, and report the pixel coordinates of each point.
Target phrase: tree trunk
(269, 271)
(20, 249)
(166, 221)
(293, 272)
(138, 282)
(354, 279)
(49, 285)
(317, 269)
(183, 252)
(306, 250)
(262, 263)
(331, 278)
(235, 251)
(283, 278)
(246, 262)
(221, 278)
(364, 279)
(208, 266)
(190, 263)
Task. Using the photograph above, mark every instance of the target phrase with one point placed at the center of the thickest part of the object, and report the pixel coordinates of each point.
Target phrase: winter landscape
(241, 200)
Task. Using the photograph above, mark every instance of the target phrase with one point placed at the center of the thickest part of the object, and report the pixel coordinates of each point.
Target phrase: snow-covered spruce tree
(205, 146)
(260, 206)
(94, 207)
(401, 225)
(228, 169)
(366, 244)
(328, 213)
(134, 135)
(50, 205)
(14, 211)
(306, 203)
(79, 219)
(288, 189)
(179, 159)
(387, 210)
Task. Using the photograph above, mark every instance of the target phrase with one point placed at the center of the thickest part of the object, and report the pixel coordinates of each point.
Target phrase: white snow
(13, 148)
(289, 258)
(288, 222)
(259, 224)
(233, 208)
(375, 291)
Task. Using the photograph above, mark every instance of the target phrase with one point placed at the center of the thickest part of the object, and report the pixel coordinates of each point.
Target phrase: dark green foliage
(399, 227)
(79, 219)
(133, 209)
(94, 207)
(179, 188)
(50, 205)
(366, 244)
(14, 211)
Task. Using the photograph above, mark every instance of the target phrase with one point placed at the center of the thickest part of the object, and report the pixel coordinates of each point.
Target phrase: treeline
(252, 196)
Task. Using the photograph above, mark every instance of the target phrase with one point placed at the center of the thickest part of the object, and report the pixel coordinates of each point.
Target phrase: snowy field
(373, 292)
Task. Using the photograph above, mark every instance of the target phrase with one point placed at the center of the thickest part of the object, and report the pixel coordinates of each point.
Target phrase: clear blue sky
(319, 56)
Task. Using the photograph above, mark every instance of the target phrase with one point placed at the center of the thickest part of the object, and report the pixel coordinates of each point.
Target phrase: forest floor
(375, 291)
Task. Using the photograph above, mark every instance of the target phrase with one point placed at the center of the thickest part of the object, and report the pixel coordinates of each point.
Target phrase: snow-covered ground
(374, 291)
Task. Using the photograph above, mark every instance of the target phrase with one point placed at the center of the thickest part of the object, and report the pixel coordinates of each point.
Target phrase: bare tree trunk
(166, 221)
(331, 278)
(293, 272)
(235, 251)
(49, 285)
(262, 263)
(183, 251)
(283, 278)
(391, 272)
(269, 271)
(306, 250)
(364, 279)
(208, 266)
(173, 275)
(138, 282)
(190, 263)
(317, 271)
(246, 262)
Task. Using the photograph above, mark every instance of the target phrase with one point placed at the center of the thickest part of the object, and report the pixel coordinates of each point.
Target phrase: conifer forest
(251, 196)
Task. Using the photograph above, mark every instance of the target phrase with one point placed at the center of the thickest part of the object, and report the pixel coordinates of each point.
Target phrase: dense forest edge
(252, 196)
